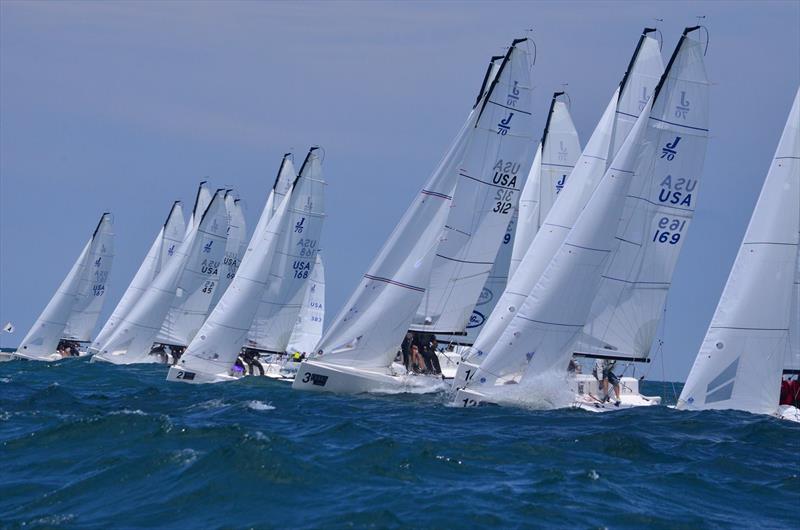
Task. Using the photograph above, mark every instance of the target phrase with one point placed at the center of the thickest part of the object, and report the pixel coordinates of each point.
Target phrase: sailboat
(753, 338)
(175, 303)
(603, 246)
(356, 353)
(555, 157)
(159, 254)
(540, 241)
(235, 245)
(307, 331)
(69, 318)
(279, 258)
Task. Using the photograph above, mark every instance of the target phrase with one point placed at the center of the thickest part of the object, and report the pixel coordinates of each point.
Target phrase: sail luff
(743, 354)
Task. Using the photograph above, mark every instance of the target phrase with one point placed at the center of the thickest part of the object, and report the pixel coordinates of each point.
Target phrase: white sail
(555, 158)
(793, 360)
(307, 331)
(370, 327)
(556, 309)
(131, 342)
(492, 289)
(91, 291)
(740, 362)
(42, 339)
(201, 202)
(218, 343)
(293, 262)
(657, 213)
(582, 182)
(198, 282)
(491, 175)
(235, 245)
(162, 249)
(284, 181)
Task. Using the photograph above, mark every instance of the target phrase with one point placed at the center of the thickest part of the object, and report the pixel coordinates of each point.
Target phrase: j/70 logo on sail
(671, 149)
(505, 125)
(513, 96)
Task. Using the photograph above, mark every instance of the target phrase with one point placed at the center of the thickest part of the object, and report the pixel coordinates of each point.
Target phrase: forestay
(490, 176)
(370, 327)
(580, 186)
(548, 320)
(161, 251)
(555, 158)
(73, 309)
(135, 335)
(657, 213)
(308, 330)
(293, 262)
(218, 343)
(746, 346)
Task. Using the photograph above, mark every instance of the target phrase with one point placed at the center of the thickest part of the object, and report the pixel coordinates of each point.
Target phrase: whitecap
(259, 405)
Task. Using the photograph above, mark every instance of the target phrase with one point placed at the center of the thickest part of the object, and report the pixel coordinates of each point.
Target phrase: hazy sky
(126, 106)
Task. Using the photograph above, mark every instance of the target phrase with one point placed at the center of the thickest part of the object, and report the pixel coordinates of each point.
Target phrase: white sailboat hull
(196, 378)
(319, 376)
(55, 356)
(588, 396)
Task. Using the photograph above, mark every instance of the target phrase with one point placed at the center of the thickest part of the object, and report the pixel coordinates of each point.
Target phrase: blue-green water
(94, 446)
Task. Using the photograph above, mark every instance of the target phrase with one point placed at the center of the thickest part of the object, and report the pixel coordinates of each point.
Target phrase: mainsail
(580, 186)
(161, 251)
(201, 202)
(293, 261)
(746, 346)
(490, 176)
(218, 343)
(308, 330)
(370, 327)
(555, 158)
(136, 333)
(657, 214)
(73, 310)
(235, 245)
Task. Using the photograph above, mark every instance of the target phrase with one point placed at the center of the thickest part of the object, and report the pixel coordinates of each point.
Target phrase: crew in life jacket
(790, 392)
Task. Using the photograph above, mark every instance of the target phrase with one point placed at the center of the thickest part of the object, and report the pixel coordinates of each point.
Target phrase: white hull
(588, 396)
(788, 412)
(180, 375)
(319, 376)
(126, 359)
(49, 358)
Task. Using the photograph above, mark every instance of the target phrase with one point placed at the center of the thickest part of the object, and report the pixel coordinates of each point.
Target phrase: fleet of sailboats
(527, 262)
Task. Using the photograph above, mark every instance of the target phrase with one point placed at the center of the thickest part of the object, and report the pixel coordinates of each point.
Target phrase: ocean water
(96, 446)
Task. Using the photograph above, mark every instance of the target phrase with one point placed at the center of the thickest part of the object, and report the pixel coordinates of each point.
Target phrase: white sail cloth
(555, 158)
(201, 202)
(161, 251)
(370, 327)
(218, 343)
(580, 186)
(136, 333)
(293, 261)
(490, 177)
(73, 310)
(235, 245)
(307, 331)
(556, 309)
(746, 346)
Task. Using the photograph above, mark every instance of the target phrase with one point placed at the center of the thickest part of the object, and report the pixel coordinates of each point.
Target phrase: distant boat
(356, 353)
(161, 251)
(612, 271)
(66, 324)
(273, 273)
(753, 337)
(176, 302)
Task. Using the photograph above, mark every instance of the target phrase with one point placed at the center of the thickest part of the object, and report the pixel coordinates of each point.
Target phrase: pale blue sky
(126, 106)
